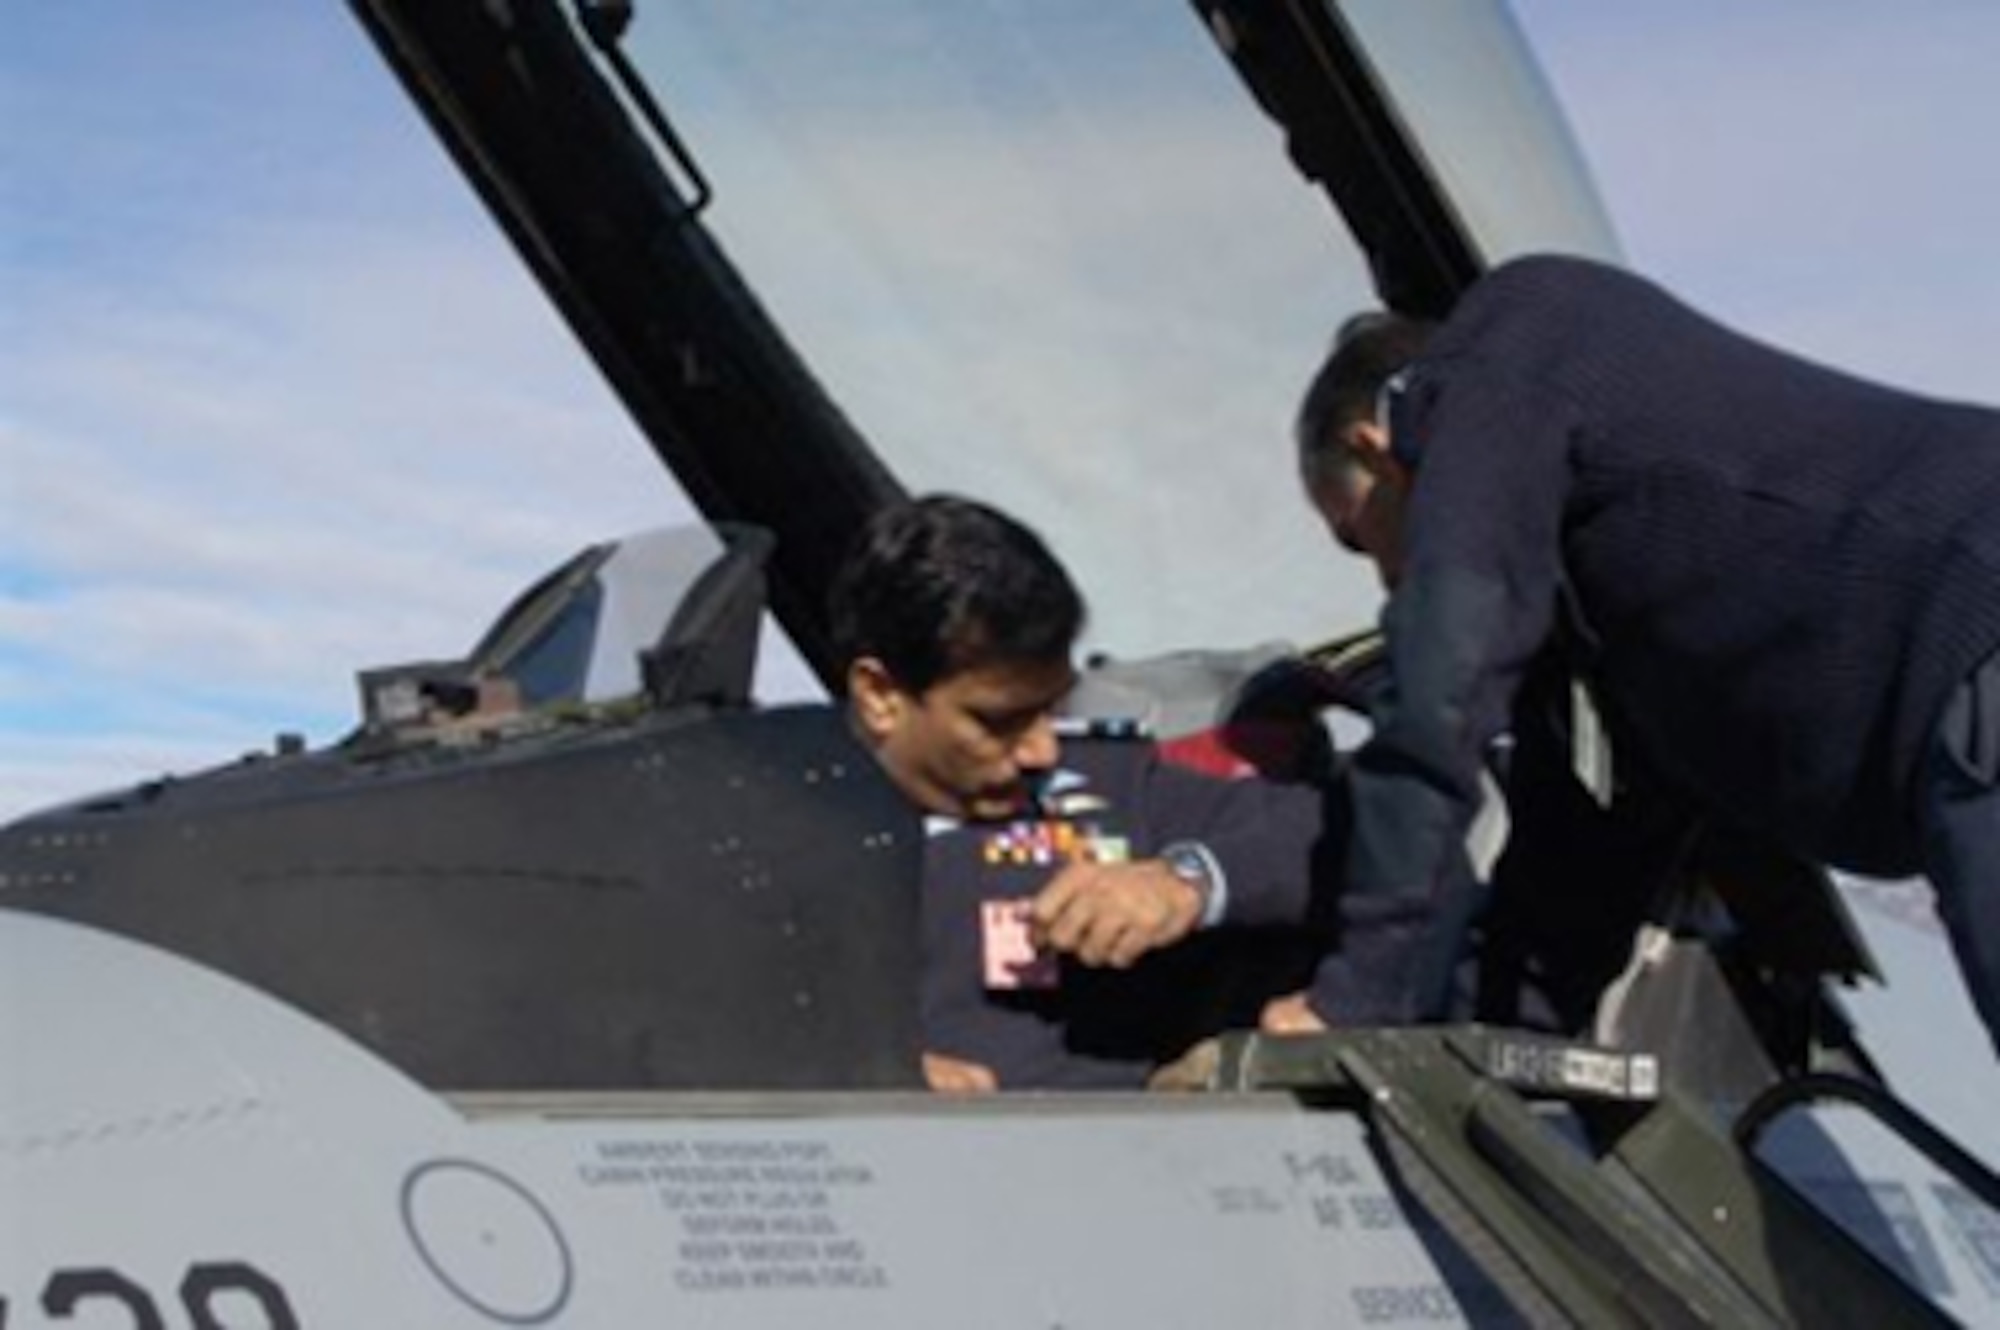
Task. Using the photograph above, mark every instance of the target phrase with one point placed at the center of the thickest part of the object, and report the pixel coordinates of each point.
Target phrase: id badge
(1010, 959)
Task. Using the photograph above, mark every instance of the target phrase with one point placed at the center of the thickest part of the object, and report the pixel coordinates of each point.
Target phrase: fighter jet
(575, 986)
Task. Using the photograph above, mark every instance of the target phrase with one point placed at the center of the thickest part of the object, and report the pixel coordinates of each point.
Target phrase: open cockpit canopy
(1048, 255)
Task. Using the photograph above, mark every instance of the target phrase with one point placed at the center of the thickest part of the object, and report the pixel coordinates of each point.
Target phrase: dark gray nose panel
(705, 901)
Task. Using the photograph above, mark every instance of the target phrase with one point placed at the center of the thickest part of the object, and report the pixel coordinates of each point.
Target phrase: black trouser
(1958, 807)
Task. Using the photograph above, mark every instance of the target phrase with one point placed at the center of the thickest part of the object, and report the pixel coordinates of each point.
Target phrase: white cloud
(256, 431)
(1820, 179)
(41, 771)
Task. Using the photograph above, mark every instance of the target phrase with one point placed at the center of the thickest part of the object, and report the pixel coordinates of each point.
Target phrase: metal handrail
(1893, 1113)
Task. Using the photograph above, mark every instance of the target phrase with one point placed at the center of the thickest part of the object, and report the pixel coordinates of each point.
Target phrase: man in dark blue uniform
(958, 626)
(1779, 587)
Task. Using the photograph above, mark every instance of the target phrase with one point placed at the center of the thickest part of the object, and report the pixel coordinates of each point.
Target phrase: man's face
(968, 745)
(1362, 502)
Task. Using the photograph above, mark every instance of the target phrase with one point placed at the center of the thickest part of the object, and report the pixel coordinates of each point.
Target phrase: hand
(949, 1075)
(1112, 914)
(1195, 1069)
(1290, 1015)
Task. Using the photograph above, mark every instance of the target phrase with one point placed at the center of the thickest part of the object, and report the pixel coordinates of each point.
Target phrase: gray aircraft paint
(165, 1120)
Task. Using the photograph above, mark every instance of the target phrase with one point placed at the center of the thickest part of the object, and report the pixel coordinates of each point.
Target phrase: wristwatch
(1191, 862)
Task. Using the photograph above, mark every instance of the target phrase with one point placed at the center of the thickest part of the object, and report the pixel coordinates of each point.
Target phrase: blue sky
(1814, 173)
(277, 403)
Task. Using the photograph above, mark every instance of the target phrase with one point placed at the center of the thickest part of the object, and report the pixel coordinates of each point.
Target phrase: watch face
(1186, 863)
(1191, 864)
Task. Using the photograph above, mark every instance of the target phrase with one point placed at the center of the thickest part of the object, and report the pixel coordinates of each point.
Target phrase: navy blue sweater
(1109, 1028)
(1774, 571)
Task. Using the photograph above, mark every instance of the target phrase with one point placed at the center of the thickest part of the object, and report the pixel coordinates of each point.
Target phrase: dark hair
(1367, 350)
(942, 584)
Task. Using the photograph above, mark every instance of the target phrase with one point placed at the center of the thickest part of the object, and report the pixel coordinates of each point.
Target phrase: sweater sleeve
(1263, 836)
(1491, 465)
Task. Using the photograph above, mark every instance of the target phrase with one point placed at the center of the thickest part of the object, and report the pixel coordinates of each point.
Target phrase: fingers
(1113, 914)
(1053, 905)
(1105, 926)
(949, 1075)
(1195, 1069)
(1113, 944)
(1290, 1015)
(1083, 913)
